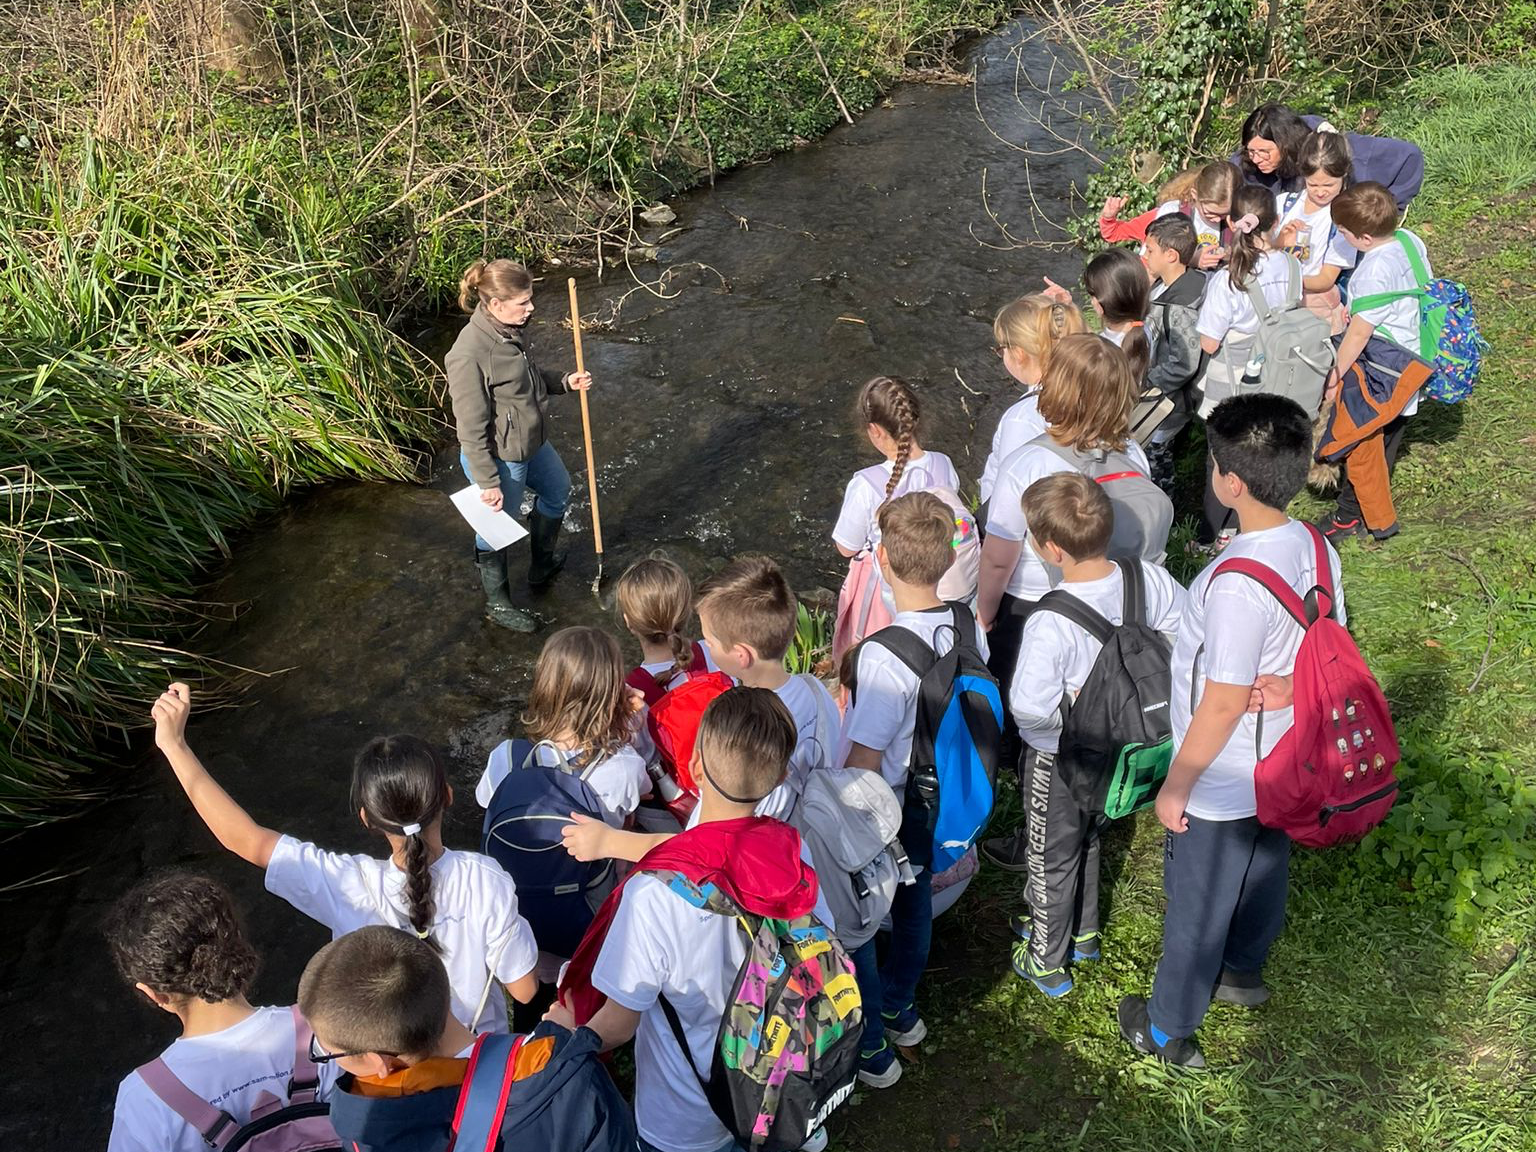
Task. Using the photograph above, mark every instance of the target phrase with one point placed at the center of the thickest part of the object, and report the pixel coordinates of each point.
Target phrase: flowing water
(723, 424)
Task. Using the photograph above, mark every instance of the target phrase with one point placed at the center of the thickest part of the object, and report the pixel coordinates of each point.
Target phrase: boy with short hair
(747, 614)
(1177, 359)
(663, 946)
(914, 552)
(1070, 520)
(379, 1001)
(1226, 875)
(1367, 217)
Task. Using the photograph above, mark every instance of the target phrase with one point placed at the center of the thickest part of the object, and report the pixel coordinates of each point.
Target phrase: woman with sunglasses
(1272, 137)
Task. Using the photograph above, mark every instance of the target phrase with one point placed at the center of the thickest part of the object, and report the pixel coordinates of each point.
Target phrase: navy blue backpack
(556, 893)
(956, 744)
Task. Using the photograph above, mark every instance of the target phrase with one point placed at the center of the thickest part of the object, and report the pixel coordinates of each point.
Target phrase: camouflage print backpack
(788, 1048)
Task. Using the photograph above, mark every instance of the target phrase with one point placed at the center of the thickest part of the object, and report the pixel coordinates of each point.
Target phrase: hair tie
(423, 933)
(1245, 224)
(410, 829)
(1135, 324)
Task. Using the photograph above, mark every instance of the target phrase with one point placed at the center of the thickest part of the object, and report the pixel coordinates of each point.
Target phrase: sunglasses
(320, 1056)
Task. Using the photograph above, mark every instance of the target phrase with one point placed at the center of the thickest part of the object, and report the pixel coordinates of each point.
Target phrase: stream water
(723, 424)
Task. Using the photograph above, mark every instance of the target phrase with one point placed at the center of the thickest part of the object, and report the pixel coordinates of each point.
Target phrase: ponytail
(655, 599)
(401, 787)
(1258, 202)
(1118, 281)
(469, 286)
(890, 404)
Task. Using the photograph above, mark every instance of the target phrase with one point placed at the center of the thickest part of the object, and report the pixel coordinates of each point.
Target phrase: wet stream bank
(723, 425)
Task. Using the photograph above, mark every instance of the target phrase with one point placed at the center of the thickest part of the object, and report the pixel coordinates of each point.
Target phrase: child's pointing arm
(229, 822)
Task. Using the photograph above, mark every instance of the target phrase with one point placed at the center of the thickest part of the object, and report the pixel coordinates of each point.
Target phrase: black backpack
(956, 742)
(1116, 738)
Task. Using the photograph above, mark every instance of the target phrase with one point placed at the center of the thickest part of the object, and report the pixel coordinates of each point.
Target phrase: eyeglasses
(320, 1056)
(1261, 153)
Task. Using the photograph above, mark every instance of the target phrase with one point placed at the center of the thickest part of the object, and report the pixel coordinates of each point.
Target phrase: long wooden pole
(586, 435)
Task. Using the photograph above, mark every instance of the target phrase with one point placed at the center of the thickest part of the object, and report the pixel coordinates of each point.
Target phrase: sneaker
(880, 1069)
(817, 1142)
(1008, 852)
(1136, 1027)
(1337, 525)
(1055, 983)
(1244, 988)
(1083, 947)
(904, 1028)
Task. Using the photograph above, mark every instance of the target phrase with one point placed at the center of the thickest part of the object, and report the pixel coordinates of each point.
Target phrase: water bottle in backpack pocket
(1117, 736)
(556, 893)
(788, 1048)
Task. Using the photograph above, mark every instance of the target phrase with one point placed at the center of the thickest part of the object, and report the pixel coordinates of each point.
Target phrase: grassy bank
(1404, 1017)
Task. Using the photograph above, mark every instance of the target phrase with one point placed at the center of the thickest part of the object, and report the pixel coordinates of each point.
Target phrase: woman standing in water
(498, 394)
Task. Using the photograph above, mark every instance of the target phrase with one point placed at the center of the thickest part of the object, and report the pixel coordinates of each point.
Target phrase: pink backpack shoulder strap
(304, 1084)
(215, 1127)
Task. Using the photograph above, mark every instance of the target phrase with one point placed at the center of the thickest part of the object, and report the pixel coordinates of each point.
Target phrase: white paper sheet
(497, 528)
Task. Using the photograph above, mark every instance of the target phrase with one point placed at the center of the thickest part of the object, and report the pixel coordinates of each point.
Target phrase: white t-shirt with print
(1317, 241)
(618, 780)
(1207, 232)
(1056, 655)
(1385, 268)
(856, 522)
(1031, 579)
(1244, 633)
(1227, 314)
(229, 1069)
(1019, 425)
(660, 944)
(884, 710)
(476, 925)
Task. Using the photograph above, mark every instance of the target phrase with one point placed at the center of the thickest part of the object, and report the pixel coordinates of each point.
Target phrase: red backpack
(1331, 778)
(674, 725)
(653, 689)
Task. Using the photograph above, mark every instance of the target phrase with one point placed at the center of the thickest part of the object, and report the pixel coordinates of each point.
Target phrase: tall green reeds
(176, 353)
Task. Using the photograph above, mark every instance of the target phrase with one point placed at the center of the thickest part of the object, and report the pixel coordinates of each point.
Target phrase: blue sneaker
(904, 1028)
(1055, 983)
(880, 1068)
(1083, 947)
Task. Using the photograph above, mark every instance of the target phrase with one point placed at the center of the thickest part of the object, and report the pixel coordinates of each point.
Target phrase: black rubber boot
(544, 563)
(492, 567)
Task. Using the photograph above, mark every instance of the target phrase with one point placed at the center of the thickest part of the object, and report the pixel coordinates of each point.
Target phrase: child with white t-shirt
(662, 943)
(178, 940)
(914, 553)
(1070, 520)
(1026, 331)
(1225, 875)
(580, 716)
(1367, 217)
(1304, 224)
(1086, 397)
(460, 902)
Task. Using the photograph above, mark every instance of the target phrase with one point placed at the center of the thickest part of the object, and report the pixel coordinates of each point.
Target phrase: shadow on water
(723, 425)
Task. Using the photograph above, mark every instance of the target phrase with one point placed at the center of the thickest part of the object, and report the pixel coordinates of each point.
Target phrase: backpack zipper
(1330, 810)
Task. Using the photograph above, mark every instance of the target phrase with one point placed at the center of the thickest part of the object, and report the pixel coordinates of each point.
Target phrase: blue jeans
(867, 970)
(911, 934)
(544, 472)
(1226, 883)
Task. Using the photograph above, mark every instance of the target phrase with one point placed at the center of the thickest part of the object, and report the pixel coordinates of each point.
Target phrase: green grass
(1404, 1017)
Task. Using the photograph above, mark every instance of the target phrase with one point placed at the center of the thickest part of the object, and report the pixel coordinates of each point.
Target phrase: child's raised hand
(585, 838)
(1056, 292)
(170, 714)
(1112, 207)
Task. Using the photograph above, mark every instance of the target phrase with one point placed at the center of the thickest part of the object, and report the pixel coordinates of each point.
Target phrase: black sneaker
(1010, 853)
(1338, 525)
(1180, 1051)
(1244, 988)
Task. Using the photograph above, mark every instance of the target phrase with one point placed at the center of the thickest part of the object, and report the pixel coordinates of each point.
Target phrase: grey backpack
(1143, 512)
(1295, 345)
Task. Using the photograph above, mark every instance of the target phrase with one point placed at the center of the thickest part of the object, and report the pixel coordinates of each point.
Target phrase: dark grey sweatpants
(1226, 882)
(1062, 864)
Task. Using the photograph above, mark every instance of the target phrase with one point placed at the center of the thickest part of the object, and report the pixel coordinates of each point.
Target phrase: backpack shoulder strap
(906, 647)
(305, 1081)
(676, 1024)
(1069, 607)
(216, 1127)
(700, 661)
(483, 1099)
(1420, 273)
(1323, 580)
(1267, 578)
(1133, 608)
(1045, 441)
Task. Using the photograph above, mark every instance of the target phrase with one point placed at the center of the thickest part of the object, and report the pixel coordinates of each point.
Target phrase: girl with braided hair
(461, 903)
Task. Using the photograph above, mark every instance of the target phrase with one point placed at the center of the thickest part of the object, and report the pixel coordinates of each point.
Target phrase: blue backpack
(956, 742)
(555, 892)
(1449, 337)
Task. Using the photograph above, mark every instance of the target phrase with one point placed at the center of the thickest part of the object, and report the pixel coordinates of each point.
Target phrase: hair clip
(1245, 224)
(410, 829)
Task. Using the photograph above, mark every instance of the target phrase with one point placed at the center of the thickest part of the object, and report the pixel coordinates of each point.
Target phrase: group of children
(429, 941)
